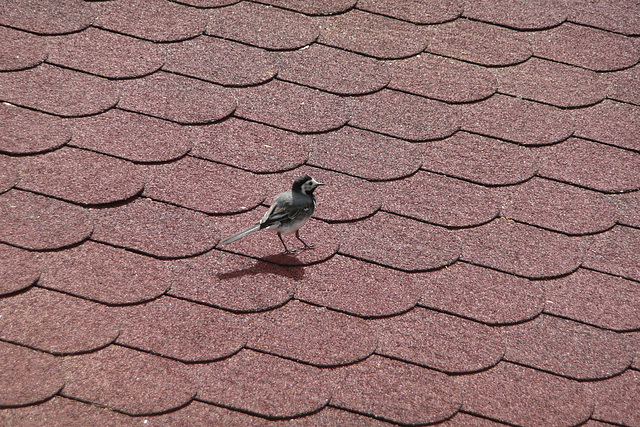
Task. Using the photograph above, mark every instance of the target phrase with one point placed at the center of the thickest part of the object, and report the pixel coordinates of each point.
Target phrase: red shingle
(128, 381)
(131, 136)
(628, 208)
(399, 242)
(207, 3)
(523, 396)
(510, 118)
(462, 420)
(37, 222)
(312, 335)
(156, 229)
(201, 413)
(102, 273)
(404, 116)
(60, 411)
(616, 252)
(482, 294)
(375, 157)
(599, 299)
(333, 70)
(262, 26)
(522, 249)
(18, 269)
(59, 91)
(106, 54)
(234, 282)
(483, 160)
(221, 61)
(610, 122)
(585, 47)
(372, 35)
(417, 12)
(58, 174)
(314, 7)
(552, 83)
(20, 50)
(176, 98)
(620, 90)
(263, 384)
(28, 132)
(440, 200)
(48, 16)
(633, 341)
(617, 15)
(559, 207)
(181, 330)
(56, 323)
(395, 391)
(441, 78)
(9, 175)
(330, 416)
(567, 348)
(292, 107)
(439, 341)
(250, 146)
(375, 291)
(592, 165)
(518, 14)
(155, 20)
(479, 43)
(617, 399)
(27, 376)
(204, 186)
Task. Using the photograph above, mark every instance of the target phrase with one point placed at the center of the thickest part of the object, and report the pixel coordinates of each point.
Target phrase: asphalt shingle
(476, 245)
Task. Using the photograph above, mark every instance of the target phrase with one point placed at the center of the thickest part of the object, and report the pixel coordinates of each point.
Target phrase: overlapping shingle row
(476, 257)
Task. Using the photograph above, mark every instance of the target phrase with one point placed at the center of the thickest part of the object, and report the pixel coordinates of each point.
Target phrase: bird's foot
(306, 245)
(286, 249)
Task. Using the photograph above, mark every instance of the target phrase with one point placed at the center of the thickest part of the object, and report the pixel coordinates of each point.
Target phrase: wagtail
(287, 213)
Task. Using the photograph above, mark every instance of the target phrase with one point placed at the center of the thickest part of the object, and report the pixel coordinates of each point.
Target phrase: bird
(287, 213)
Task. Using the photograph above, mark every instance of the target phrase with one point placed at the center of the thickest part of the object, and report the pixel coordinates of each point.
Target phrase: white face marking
(309, 186)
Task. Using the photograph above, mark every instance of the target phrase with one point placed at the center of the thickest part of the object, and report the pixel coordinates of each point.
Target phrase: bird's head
(305, 185)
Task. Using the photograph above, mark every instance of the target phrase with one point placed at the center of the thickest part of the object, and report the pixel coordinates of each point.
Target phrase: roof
(477, 244)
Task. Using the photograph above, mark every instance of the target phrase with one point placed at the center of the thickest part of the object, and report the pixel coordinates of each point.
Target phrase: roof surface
(477, 244)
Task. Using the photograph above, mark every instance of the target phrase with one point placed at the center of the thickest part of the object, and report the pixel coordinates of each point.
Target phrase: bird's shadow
(268, 266)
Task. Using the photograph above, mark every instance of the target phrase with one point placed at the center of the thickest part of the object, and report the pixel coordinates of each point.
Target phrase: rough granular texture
(477, 245)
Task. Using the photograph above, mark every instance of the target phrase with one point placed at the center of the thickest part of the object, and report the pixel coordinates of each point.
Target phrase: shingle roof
(477, 242)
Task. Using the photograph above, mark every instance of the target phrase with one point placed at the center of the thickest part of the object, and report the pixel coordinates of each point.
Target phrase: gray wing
(285, 207)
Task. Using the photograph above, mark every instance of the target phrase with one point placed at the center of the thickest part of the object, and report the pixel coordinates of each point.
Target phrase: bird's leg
(286, 249)
(306, 245)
